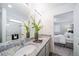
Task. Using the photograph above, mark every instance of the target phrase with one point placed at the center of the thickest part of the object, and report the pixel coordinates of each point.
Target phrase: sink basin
(26, 50)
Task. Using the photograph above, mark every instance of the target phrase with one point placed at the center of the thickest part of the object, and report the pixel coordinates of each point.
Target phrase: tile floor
(62, 51)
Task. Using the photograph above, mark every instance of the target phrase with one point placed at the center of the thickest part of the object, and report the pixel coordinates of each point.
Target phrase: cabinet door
(42, 52)
(47, 49)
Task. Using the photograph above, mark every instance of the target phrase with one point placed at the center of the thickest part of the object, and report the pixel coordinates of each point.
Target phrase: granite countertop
(39, 46)
(11, 48)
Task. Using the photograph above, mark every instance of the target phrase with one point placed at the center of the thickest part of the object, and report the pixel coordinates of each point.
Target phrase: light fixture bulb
(10, 6)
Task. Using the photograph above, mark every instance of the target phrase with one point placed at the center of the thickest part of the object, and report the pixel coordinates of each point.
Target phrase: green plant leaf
(36, 26)
(26, 27)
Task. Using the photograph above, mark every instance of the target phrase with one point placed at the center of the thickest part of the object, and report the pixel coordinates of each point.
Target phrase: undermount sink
(26, 50)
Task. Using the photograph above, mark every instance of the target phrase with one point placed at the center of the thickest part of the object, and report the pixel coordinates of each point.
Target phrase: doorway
(63, 34)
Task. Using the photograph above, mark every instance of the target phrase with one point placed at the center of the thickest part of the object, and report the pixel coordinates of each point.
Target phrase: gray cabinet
(45, 50)
(42, 52)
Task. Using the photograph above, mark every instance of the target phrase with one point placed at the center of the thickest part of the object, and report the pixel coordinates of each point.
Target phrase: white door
(76, 30)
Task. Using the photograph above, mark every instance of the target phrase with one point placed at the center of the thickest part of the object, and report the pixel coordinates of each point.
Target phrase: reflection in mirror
(13, 28)
(13, 17)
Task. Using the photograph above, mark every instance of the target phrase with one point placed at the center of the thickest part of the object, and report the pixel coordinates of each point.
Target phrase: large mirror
(13, 17)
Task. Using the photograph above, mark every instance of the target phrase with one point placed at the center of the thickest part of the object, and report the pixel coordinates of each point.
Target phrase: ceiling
(24, 10)
(18, 7)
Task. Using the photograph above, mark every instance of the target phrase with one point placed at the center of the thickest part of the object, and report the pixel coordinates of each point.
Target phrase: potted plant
(27, 29)
(37, 27)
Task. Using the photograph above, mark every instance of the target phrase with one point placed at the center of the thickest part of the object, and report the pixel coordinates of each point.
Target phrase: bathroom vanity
(45, 50)
(42, 49)
(22, 48)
